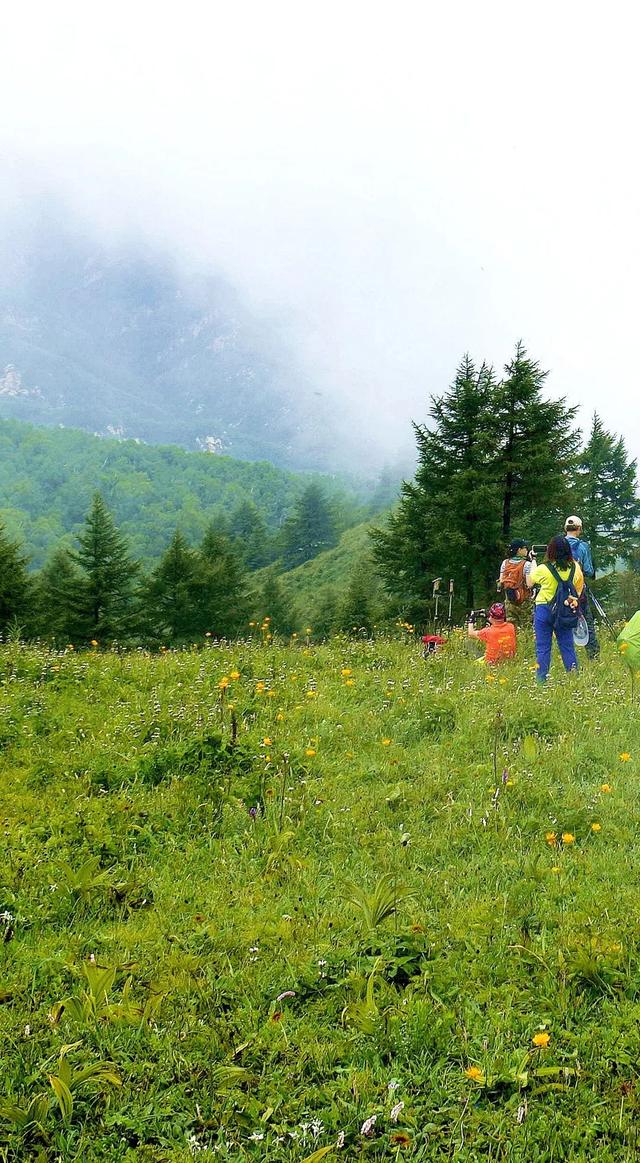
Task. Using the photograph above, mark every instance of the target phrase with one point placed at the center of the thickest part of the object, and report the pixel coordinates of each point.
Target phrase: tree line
(498, 460)
(98, 592)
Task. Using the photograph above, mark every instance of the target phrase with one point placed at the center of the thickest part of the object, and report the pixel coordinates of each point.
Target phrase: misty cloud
(394, 189)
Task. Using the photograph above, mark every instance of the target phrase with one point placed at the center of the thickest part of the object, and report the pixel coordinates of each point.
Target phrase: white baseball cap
(573, 522)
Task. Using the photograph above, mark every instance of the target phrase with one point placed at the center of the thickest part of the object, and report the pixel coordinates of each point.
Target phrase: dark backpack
(565, 605)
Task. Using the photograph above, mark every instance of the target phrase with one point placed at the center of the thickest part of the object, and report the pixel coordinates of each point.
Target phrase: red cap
(497, 611)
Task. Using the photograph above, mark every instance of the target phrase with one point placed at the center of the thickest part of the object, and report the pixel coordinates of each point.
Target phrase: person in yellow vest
(558, 564)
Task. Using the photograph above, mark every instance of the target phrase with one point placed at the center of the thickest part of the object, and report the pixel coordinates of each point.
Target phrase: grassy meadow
(304, 902)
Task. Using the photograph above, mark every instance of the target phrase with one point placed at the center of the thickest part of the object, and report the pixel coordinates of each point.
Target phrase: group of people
(568, 563)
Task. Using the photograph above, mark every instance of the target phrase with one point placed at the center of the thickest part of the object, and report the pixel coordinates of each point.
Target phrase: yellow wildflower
(568, 838)
(386, 742)
(235, 675)
(541, 1039)
(596, 827)
(310, 752)
(474, 1073)
(625, 757)
(312, 694)
(266, 741)
(606, 787)
(551, 838)
(346, 672)
(224, 683)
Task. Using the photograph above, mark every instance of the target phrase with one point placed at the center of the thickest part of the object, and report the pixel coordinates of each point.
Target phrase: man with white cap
(581, 551)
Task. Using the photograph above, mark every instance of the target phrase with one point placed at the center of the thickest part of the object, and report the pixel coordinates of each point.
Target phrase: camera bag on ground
(565, 606)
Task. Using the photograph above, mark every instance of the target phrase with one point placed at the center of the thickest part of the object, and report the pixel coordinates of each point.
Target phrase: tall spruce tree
(606, 496)
(55, 609)
(170, 599)
(448, 520)
(219, 586)
(310, 529)
(537, 448)
(103, 600)
(248, 530)
(15, 584)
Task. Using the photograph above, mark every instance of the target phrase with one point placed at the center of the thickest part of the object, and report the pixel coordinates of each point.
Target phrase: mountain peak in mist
(116, 339)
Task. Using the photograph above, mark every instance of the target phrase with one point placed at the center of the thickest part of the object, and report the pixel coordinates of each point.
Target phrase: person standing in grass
(499, 636)
(581, 551)
(558, 563)
(514, 582)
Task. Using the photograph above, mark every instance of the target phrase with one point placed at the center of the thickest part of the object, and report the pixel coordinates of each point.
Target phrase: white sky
(398, 182)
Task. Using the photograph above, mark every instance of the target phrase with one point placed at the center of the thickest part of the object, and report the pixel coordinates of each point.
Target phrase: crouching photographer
(499, 636)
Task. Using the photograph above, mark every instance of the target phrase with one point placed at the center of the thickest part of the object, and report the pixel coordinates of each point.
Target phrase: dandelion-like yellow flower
(310, 752)
(386, 742)
(551, 838)
(502, 681)
(235, 675)
(474, 1073)
(606, 787)
(279, 717)
(346, 672)
(625, 757)
(224, 683)
(556, 868)
(541, 1039)
(93, 642)
(266, 741)
(312, 694)
(349, 682)
(491, 677)
(596, 827)
(568, 838)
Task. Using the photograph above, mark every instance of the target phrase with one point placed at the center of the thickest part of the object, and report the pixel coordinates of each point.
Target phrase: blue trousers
(544, 632)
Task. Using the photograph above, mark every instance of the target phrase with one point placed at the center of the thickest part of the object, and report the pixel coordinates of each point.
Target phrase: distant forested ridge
(49, 476)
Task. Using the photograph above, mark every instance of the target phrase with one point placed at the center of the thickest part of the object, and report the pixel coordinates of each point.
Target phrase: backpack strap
(554, 573)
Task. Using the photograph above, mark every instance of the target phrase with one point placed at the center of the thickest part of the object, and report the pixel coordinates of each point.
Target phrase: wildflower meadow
(298, 901)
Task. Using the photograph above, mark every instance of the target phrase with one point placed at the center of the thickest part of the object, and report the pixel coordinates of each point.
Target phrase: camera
(477, 615)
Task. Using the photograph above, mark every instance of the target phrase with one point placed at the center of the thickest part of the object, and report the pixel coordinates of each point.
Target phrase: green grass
(372, 845)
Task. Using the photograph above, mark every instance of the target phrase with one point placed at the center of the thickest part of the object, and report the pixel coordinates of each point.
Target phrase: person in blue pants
(559, 554)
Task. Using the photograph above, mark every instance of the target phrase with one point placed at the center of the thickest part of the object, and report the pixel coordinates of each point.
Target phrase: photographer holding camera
(499, 636)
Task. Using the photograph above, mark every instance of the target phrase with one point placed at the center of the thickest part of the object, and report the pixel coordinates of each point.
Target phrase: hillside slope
(48, 478)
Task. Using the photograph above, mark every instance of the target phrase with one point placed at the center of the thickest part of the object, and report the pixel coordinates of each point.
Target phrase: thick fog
(393, 185)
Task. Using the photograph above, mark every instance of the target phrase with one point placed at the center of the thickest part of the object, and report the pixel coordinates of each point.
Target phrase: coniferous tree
(447, 522)
(310, 529)
(219, 586)
(103, 600)
(537, 447)
(325, 613)
(355, 611)
(273, 604)
(15, 584)
(170, 594)
(55, 586)
(606, 497)
(249, 532)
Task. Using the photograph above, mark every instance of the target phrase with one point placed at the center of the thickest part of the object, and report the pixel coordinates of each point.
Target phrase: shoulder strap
(552, 570)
